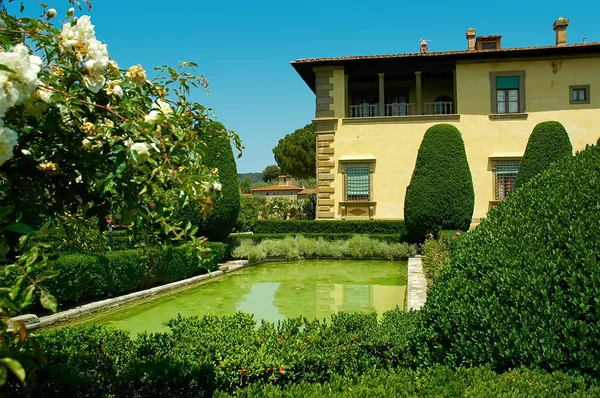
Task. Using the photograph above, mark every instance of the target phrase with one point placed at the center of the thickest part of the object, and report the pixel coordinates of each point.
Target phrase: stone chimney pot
(471, 33)
(560, 27)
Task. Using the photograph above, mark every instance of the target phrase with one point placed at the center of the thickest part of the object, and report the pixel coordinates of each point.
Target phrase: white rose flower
(207, 186)
(217, 186)
(94, 81)
(141, 149)
(8, 141)
(24, 79)
(118, 91)
(76, 34)
(164, 107)
(152, 117)
(96, 56)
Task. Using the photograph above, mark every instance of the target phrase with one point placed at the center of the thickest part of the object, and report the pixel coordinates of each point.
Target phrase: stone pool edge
(415, 296)
(416, 289)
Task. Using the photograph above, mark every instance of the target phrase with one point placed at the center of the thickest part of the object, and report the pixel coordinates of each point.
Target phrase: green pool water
(273, 292)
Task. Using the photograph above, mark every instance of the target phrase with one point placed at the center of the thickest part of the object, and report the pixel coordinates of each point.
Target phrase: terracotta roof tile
(278, 188)
(307, 191)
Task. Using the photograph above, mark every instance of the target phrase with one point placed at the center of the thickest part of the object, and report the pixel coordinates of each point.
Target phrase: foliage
(327, 226)
(359, 246)
(436, 381)
(270, 173)
(254, 177)
(549, 142)
(219, 156)
(440, 194)
(246, 185)
(295, 154)
(436, 253)
(234, 240)
(89, 276)
(200, 355)
(81, 137)
(522, 288)
(249, 208)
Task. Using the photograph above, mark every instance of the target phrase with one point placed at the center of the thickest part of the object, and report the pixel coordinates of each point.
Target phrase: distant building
(305, 192)
(286, 189)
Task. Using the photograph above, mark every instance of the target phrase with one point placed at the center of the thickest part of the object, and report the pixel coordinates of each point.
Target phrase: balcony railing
(402, 109)
(438, 108)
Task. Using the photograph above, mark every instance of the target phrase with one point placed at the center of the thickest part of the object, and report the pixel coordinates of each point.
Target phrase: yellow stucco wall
(394, 142)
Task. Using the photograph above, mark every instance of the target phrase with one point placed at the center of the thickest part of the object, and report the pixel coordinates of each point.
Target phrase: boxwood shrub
(393, 227)
(547, 143)
(83, 277)
(440, 194)
(524, 287)
(201, 355)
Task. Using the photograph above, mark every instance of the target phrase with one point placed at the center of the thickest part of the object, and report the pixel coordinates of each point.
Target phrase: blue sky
(245, 48)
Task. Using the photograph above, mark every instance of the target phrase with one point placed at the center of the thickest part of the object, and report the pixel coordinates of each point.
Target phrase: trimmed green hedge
(201, 355)
(390, 227)
(436, 381)
(549, 142)
(523, 289)
(440, 194)
(85, 277)
(234, 240)
(218, 154)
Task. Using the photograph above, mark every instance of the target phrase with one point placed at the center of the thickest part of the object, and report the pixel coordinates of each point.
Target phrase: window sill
(508, 116)
(357, 202)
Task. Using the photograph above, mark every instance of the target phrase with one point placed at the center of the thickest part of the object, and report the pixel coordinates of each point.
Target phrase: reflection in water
(273, 292)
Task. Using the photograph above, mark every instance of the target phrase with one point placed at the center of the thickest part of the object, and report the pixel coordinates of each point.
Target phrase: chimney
(471, 33)
(560, 27)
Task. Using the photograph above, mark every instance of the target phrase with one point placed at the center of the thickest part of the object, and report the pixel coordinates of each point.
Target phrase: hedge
(200, 355)
(436, 381)
(392, 227)
(549, 142)
(234, 240)
(523, 289)
(83, 277)
(218, 154)
(440, 194)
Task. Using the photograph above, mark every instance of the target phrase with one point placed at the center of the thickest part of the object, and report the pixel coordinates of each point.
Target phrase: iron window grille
(506, 175)
(358, 182)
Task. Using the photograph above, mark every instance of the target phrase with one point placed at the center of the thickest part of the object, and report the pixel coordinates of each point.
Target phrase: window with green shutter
(508, 92)
(357, 182)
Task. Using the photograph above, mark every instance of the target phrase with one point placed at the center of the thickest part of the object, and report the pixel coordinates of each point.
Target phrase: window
(357, 182)
(508, 92)
(505, 176)
(579, 94)
(489, 45)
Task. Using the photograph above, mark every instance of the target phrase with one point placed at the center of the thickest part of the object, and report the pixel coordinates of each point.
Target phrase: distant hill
(254, 177)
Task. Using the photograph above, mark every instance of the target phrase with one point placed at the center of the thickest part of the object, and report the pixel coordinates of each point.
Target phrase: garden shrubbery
(85, 276)
(436, 381)
(329, 227)
(524, 287)
(547, 143)
(440, 194)
(201, 355)
(359, 246)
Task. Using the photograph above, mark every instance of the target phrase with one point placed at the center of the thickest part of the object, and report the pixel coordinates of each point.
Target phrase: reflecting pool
(273, 292)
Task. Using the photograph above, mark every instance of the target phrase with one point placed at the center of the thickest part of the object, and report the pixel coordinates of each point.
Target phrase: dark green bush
(248, 215)
(200, 355)
(90, 276)
(436, 381)
(218, 154)
(440, 194)
(524, 287)
(549, 142)
(329, 227)
(234, 240)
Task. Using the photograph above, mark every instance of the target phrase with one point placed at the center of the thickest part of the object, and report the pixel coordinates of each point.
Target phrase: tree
(270, 173)
(219, 156)
(547, 143)
(440, 194)
(246, 185)
(91, 140)
(295, 154)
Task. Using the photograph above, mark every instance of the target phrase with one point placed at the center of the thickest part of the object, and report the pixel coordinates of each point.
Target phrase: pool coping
(32, 322)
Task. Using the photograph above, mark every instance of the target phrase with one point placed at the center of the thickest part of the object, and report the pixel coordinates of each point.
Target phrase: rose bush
(82, 137)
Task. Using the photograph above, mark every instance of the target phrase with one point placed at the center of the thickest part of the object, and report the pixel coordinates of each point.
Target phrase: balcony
(401, 93)
(402, 109)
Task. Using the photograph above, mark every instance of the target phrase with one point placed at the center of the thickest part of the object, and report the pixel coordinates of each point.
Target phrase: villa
(372, 113)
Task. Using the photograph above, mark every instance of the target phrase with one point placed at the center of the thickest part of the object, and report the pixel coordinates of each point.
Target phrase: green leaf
(20, 228)
(2, 375)
(6, 210)
(15, 367)
(6, 69)
(48, 301)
